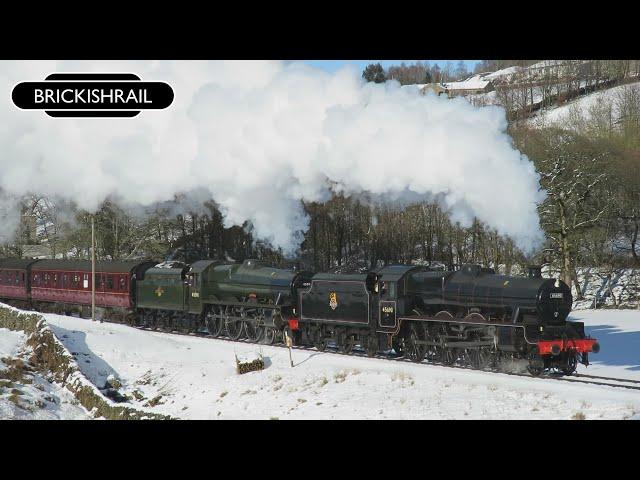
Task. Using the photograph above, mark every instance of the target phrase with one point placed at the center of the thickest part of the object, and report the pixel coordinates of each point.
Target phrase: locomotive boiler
(474, 289)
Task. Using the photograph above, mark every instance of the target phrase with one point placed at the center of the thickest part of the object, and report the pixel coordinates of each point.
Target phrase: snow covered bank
(45, 354)
(25, 394)
(196, 378)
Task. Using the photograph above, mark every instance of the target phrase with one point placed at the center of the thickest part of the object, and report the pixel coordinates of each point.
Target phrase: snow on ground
(25, 395)
(618, 332)
(192, 377)
(583, 106)
(10, 342)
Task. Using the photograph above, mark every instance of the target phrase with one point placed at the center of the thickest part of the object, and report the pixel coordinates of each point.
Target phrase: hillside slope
(584, 108)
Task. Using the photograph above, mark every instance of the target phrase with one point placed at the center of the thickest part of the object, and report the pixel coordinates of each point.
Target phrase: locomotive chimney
(535, 271)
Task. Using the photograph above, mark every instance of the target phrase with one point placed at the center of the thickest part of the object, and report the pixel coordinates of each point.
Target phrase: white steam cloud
(261, 136)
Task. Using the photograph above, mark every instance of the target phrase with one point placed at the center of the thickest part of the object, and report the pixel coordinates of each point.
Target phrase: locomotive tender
(472, 316)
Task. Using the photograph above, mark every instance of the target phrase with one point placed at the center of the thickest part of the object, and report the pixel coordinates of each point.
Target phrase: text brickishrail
(91, 96)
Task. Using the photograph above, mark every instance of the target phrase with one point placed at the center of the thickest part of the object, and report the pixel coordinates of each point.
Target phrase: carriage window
(65, 280)
(123, 283)
(22, 278)
(85, 284)
(55, 279)
(75, 282)
(109, 282)
(17, 278)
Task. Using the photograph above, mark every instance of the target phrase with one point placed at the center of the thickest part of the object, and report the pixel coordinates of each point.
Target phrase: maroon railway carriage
(14, 278)
(69, 282)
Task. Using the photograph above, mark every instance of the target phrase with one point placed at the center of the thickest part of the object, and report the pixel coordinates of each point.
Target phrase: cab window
(391, 289)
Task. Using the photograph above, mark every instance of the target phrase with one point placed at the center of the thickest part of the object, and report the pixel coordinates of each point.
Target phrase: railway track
(574, 378)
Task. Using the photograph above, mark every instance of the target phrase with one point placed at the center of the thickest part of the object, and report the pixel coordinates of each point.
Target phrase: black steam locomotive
(470, 317)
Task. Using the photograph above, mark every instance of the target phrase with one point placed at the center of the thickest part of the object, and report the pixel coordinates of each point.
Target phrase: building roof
(473, 83)
(36, 251)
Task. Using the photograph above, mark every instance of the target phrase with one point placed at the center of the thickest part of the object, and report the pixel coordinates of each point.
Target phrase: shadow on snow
(90, 364)
(617, 348)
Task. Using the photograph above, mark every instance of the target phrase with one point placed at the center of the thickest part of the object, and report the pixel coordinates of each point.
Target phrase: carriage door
(387, 312)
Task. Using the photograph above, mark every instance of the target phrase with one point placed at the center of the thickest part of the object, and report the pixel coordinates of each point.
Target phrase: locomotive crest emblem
(159, 291)
(333, 300)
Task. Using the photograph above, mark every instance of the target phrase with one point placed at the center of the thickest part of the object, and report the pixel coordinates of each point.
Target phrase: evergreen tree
(374, 73)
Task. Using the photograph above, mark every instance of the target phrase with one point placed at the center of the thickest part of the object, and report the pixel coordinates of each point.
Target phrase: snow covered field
(26, 395)
(618, 332)
(191, 377)
(584, 106)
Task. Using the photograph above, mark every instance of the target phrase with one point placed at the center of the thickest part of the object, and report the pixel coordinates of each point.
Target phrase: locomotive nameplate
(556, 295)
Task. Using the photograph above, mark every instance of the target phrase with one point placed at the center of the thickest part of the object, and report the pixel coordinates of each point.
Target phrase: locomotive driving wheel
(371, 345)
(254, 328)
(449, 355)
(536, 364)
(185, 324)
(214, 320)
(234, 327)
(415, 351)
(345, 343)
(270, 335)
(479, 358)
(398, 346)
(444, 315)
(318, 340)
(442, 352)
